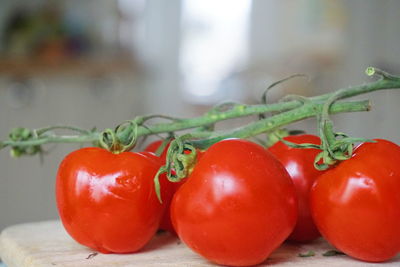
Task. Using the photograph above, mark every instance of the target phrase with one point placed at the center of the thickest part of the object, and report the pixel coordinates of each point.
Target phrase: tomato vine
(335, 146)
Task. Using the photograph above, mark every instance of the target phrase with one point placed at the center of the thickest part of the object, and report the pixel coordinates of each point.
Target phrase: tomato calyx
(332, 252)
(123, 138)
(335, 146)
(180, 160)
(309, 253)
(23, 134)
(337, 149)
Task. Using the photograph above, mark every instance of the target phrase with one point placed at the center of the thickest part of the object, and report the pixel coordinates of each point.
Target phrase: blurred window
(131, 23)
(214, 43)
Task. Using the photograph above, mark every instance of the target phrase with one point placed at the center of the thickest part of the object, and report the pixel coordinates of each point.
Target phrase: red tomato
(166, 223)
(107, 201)
(356, 205)
(299, 163)
(153, 146)
(237, 206)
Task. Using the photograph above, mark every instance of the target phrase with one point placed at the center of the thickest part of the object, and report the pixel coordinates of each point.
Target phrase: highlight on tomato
(237, 206)
(107, 201)
(299, 162)
(356, 204)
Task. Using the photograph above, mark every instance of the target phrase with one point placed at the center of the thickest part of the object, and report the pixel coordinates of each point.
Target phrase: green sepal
(303, 145)
(309, 253)
(157, 186)
(332, 252)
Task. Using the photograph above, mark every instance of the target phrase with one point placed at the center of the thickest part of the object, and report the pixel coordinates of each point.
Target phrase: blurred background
(100, 62)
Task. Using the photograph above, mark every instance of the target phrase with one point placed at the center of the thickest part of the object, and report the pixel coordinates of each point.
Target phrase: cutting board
(47, 244)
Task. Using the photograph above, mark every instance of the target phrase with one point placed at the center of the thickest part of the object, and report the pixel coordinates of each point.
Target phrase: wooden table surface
(47, 244)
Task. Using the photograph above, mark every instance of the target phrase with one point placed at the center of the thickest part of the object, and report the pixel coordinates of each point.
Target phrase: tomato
(299, 162)
(237, 206)
(356, 205)
(153, 146)
(107, 201)
(166, 223)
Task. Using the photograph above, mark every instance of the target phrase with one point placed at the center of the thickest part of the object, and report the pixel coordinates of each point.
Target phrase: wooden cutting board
(47, 244)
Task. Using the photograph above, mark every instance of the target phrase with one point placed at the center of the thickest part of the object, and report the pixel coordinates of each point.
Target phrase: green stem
(284, 113)
(293, 116)
(53, 139)
(61, 127)
(207, 119)
(241, 110)
(269, 124)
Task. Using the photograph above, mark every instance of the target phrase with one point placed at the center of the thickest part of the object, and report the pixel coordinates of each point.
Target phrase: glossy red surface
(238, 205)
(356, 205)
(300, 165)
(107, 201)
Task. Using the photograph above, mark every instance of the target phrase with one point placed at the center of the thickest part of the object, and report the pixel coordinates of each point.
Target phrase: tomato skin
(237, 206)
(107, 201)
(299, 163)
(165, 223)
(153, 146)
(356, 204)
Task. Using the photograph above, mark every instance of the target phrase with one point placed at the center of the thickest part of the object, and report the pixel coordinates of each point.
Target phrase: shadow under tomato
(161, 240)
(289, 252)
(284, 254)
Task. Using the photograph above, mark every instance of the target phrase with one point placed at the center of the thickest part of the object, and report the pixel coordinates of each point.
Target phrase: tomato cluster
(240, 202)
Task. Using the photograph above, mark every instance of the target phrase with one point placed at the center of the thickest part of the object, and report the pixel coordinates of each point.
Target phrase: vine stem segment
(24, 141)
(334, 146)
